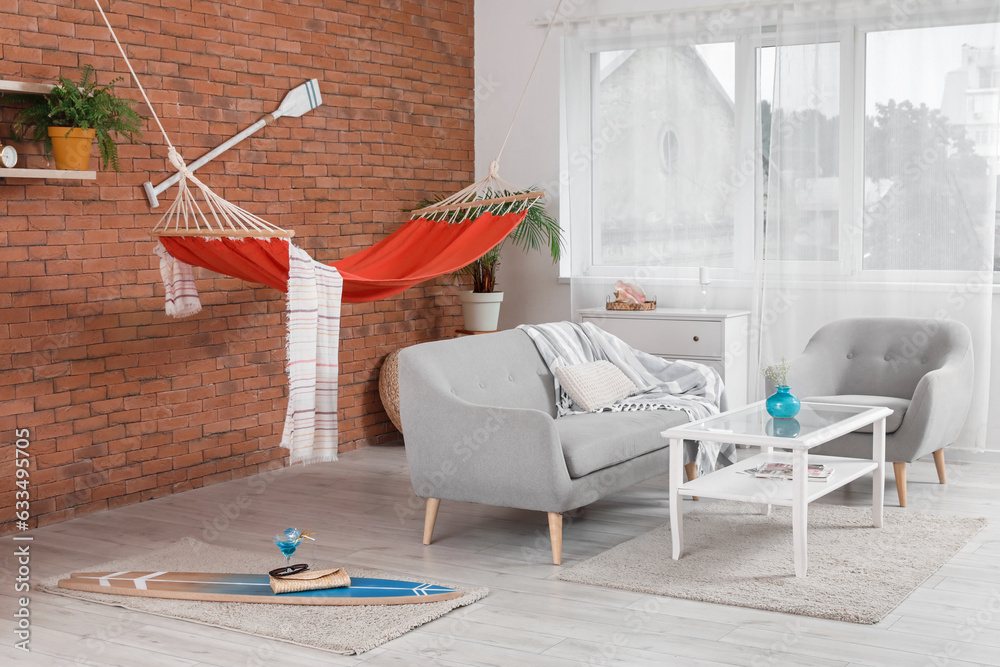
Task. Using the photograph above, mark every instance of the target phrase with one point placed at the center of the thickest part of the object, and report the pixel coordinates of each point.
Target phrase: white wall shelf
(7, 86)
(62, 174)
(25, 87)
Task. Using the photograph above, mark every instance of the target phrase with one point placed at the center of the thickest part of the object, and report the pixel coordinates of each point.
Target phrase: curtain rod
(794, 8)
(567, 18)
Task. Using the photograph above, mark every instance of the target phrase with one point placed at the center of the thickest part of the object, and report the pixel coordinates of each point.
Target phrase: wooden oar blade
(300, 100)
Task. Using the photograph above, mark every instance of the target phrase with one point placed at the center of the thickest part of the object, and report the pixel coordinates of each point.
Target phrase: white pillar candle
(703, 275)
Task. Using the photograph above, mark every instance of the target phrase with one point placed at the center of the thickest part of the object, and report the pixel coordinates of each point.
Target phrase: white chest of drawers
(716, 338)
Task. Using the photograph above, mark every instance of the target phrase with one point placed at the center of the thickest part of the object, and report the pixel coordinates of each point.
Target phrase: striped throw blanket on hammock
(314, 292)
(663, 385)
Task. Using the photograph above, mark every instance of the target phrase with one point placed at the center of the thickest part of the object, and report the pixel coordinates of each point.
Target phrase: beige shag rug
(347, 629)
(733, 555)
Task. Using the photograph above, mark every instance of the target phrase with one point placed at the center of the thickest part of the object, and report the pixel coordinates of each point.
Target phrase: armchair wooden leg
(899, 468)
(939, 464)
(430, 516)
(555, 534)
(692, 473)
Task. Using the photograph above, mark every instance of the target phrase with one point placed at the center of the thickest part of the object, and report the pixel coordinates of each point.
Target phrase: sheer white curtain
(879, 155)
(823, 159)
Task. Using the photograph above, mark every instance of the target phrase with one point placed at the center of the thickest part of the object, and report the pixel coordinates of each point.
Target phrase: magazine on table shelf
(817, 472)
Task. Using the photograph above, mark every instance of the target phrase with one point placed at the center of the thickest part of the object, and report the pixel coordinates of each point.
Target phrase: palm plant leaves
(538, 231)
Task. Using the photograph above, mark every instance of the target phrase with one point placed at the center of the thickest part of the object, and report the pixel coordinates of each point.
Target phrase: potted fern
(69, 118)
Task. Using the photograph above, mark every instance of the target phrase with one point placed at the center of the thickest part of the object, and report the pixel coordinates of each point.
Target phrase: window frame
(844, 37)
(922, 276)
(748, 207)
(584, 227)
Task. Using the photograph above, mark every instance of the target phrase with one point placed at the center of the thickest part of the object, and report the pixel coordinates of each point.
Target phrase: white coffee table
(815, 424)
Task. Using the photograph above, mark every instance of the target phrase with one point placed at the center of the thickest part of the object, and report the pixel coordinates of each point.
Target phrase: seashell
(629, 293)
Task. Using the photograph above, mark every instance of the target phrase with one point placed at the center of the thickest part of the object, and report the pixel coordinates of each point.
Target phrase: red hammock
(419, 250)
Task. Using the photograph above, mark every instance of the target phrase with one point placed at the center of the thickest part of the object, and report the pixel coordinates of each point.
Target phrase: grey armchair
(921, 369)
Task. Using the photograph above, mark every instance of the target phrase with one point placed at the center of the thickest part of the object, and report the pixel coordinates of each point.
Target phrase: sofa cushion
(892, 422)
(598, 440)
(595, 384)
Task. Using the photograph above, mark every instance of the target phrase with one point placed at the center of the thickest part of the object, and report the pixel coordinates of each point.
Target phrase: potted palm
(481, 306)
(72, 116)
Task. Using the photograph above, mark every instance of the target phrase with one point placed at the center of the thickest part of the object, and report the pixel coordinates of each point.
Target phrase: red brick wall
(124, 403)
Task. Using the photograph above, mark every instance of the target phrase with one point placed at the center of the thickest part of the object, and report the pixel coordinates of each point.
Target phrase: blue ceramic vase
(781, 404)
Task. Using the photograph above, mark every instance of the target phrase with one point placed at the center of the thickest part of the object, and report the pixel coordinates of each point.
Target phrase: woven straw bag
(311, 581)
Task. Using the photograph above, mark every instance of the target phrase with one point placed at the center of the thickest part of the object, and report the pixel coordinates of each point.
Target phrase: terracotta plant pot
(71, 147)
(481, 310)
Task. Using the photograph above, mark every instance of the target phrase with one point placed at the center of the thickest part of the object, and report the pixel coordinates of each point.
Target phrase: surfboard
(216, 587)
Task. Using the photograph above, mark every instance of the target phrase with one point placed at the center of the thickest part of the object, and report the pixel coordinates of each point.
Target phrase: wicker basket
(388, 388)
(618, 305)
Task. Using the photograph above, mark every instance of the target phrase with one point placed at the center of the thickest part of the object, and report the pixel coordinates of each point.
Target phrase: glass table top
(754, 421)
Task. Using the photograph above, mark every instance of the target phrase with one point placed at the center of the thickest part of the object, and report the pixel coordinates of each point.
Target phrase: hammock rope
(492, 193)
(538, 57)
(438, 239)
(185, 216)
(185, 210)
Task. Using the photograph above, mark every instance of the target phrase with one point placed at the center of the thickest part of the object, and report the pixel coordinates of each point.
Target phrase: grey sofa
(478, 416)
(921, 369)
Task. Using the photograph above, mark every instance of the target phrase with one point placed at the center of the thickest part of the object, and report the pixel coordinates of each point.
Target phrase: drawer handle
(696, 339)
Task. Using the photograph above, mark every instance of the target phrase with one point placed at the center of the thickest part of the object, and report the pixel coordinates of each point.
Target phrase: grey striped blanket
(691, 387)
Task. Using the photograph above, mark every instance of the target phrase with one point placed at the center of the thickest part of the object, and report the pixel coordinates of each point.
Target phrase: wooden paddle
(297, 102)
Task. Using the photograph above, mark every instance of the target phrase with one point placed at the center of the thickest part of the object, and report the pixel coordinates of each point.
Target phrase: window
(656, 198)
(669, 153)
(928, 146)
(805, 205)
(886, 141)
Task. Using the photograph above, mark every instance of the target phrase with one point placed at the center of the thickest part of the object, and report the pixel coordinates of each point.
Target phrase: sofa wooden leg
(899, 468)
(555, 534)
(430, 516)
(692, 473)
(939, 464)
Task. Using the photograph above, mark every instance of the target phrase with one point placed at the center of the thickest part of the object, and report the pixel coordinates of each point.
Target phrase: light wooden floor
(364, 513)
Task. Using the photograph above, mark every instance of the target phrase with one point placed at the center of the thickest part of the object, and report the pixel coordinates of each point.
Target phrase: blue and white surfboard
(252, 588)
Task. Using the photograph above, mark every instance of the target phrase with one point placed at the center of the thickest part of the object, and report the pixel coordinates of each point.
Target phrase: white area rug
(347, 629)
(736, 556)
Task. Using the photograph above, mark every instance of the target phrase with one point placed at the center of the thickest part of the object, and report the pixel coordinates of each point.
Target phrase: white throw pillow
(594, 385)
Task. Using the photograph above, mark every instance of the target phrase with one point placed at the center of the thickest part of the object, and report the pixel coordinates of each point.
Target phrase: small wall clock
(8, 156)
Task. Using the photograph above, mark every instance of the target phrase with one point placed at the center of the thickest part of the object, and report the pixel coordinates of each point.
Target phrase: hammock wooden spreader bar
(491, 194)
(419, 250)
